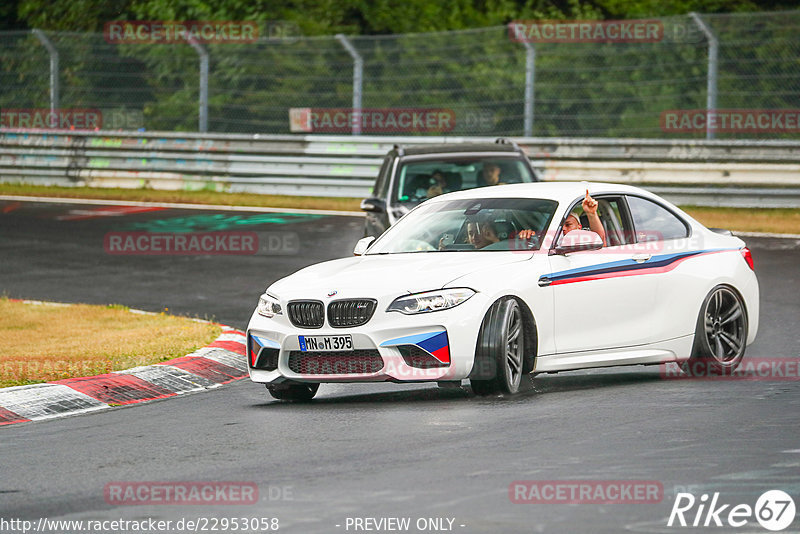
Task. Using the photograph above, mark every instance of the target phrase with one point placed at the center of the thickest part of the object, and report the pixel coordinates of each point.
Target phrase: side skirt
(673, 350)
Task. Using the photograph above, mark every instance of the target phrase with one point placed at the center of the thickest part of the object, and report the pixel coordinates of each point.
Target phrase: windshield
(424, 179)
(470, 225)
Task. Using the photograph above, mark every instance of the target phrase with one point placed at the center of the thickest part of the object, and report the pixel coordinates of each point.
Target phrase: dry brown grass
(41, 343)
(779, 220)
(186, 197)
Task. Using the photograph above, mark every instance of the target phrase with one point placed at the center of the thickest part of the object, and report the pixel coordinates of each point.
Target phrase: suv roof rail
(399, 149)
(506, 141)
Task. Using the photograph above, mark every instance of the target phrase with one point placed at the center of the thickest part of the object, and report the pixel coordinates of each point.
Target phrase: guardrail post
(203, 101)
(713, 50)
(54, 84)
(358, 74)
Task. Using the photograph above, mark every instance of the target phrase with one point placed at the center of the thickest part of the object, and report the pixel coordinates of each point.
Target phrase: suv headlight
(430, 301)
(268, 306)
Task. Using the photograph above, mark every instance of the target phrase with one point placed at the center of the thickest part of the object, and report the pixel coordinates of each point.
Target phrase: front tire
(293, 392)
(720, 336)
(499, 356)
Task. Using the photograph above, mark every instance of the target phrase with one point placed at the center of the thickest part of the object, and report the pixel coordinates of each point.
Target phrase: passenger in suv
(490, 174)
(404, 179)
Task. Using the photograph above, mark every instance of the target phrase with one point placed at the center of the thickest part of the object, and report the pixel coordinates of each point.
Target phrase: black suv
(410, 175)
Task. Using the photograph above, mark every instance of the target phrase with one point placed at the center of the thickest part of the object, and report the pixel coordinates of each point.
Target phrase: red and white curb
(220, 362)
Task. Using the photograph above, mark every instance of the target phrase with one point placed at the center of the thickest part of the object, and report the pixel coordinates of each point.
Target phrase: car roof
(456, 148)
(559, 191)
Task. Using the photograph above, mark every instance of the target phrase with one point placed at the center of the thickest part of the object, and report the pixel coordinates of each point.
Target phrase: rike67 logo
(774, 510)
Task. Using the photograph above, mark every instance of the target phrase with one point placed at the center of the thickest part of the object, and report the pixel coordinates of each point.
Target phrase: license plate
(325, 343)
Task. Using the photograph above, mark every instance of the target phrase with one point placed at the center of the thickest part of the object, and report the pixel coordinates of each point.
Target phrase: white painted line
(46, 401)
(765, 234)
(177, 205)
(42, 303)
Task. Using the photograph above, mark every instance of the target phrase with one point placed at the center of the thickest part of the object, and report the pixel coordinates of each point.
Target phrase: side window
(611, 211)
(654, 222)
(382, 183)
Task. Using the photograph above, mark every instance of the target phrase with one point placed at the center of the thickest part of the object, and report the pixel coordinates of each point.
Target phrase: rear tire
(499, 355)
(293, 392)
(720, 336)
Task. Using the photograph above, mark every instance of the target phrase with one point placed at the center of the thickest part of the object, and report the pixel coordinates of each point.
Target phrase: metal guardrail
(730, 197)
(346, 166)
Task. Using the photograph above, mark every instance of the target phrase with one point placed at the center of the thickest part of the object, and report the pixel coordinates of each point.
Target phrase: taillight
(748, 257)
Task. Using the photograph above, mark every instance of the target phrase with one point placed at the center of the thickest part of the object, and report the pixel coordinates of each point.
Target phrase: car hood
(372, 276)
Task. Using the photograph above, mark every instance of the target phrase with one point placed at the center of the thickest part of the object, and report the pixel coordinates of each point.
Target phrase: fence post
(358, 74)
(530, 73)
(711, 91)
(530, 70)
(203, 53)
(54, 84)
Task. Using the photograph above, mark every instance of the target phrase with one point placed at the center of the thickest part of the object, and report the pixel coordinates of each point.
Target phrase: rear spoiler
(721, 231)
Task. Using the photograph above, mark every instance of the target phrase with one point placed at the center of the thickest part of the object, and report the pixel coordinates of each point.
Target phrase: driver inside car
(481, 234)
(437, 184)
(485, 233)
(573, 221)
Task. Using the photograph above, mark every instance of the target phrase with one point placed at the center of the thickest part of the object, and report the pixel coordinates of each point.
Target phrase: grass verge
(45, 342)
(778, 220)
(186, 197)
(772, 220)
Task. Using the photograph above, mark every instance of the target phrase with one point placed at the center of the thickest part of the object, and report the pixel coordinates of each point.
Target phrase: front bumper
(384, 348)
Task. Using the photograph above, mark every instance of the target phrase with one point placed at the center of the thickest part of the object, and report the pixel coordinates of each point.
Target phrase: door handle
(641, 258)
(544, 281)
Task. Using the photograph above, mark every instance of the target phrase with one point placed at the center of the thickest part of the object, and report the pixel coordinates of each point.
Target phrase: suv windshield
(423, 179)
(469, 225)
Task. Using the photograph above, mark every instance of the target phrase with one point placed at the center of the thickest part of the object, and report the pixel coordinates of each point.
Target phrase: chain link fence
(488, 82)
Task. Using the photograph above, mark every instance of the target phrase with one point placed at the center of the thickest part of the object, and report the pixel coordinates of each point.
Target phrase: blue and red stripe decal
(435, 343)
(657, 264)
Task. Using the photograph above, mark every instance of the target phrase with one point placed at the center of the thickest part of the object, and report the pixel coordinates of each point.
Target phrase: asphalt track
(379, 450)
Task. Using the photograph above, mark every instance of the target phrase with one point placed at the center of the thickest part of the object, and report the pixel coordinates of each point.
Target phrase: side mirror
(373, 205)
(578, 240)
(362, 245)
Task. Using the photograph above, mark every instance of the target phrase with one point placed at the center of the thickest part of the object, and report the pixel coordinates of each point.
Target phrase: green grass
(771, 220)
(185, 197)
(777, 220)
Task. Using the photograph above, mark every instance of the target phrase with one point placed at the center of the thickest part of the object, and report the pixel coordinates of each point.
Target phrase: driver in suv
(462, 166)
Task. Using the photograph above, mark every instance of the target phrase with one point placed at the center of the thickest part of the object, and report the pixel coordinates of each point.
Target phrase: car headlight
(430, 301)
(268, 306)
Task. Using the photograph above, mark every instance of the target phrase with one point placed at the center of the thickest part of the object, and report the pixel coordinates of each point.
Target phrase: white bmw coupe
(492, 283)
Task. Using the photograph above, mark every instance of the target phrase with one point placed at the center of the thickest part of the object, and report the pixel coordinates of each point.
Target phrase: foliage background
(454, 54)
